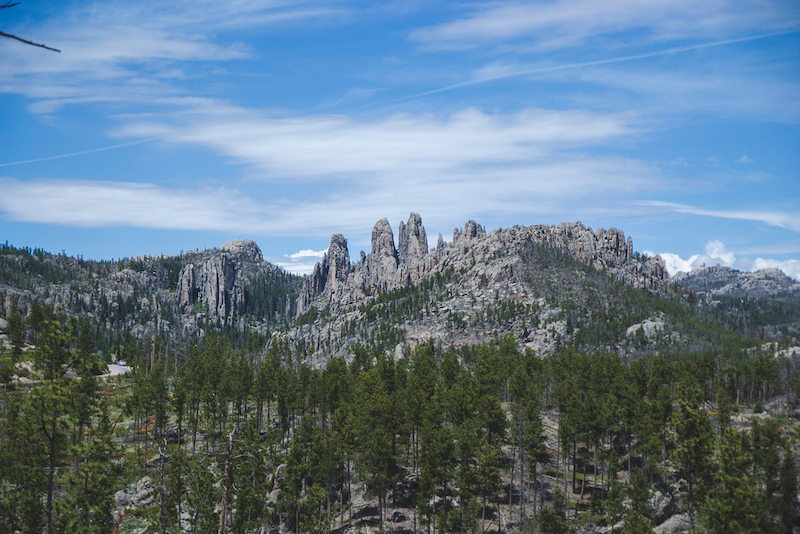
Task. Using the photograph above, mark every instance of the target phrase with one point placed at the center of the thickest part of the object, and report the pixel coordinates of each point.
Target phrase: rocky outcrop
(412, 241)
(474, 275)
(382, 262)
(724, 281)
(215, 284)
(244, 249)
(472, 230)
(674, 525)
(214, 280)
(329, 274)
(138, 495)
(498, 254)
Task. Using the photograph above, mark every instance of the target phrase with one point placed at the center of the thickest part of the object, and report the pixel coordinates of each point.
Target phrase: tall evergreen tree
(693, 443)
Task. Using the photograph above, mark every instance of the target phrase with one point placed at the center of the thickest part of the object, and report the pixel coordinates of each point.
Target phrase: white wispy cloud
(132, 52)
(746, 86)
(441, 146)
(716, 253)
(113, 63)
(569, 23)
(745, 159)
(301, 262)
(341, 174)
(95, 204)
(307, 253)
(783, 219)
(212, 14)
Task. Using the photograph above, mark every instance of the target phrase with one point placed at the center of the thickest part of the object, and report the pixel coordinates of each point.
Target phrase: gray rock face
(674, 525)
(216, 284)
(488, 266)
(138, 495)
(339, 262)
(663, 503)
(329, 274)
(245, 248)
(412, 241)
(382, 262)
(719, 281)
(472, 230)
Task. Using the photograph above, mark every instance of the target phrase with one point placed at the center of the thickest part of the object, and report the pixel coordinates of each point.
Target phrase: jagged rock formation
(475, 273)
(387, 268)
(381, 266)
(148, 294)
(246, 249)
(328, 274)
(718, 280)
(471, 231)
(412, 241)
(214, 280)
(215, 284)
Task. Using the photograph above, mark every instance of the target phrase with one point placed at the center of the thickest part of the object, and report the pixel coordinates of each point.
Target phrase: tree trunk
(583, 482)
(574, 463)
(522, 486)
(51, 474)
(161, 517)
(483, 516)
(224, 503)
(691, 505)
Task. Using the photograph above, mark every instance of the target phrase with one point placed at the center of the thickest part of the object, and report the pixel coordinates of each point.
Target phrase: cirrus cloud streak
(326, 145)
(788, 220)
(569, 23)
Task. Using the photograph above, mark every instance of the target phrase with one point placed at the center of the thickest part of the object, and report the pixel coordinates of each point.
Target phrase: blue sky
(169, 126)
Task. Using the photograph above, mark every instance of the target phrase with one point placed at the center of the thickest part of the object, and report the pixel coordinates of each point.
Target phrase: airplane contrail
(75, 153)
(553, 68)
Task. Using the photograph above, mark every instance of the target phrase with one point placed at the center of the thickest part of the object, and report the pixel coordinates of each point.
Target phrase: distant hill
(547, 286)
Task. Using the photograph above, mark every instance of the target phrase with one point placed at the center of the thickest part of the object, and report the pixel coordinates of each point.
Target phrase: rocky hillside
(724, 281)
(177, 297)
(525, 379)
(532, 282)
(548, 286)
(765, 303)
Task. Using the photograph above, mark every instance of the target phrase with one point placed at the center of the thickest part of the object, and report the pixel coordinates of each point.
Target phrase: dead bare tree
(20, 39)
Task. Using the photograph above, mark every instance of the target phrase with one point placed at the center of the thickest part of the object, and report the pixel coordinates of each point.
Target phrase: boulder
(138, 495)
(663, 503)
(272, 498)
(674, 525)
(122, 498)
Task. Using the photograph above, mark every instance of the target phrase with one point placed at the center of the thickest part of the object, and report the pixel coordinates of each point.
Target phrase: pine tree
(89, 491)
(732, 504)
(638, 519)
(373, 432)
(693, 442)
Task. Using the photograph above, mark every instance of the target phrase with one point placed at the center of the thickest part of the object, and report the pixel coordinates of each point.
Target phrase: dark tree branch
(20, 39)
(26, 41)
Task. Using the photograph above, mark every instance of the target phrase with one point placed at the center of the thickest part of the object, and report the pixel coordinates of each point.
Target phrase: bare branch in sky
(20, 39)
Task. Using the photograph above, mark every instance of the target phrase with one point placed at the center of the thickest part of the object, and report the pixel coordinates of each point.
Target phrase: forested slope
(515, 384)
